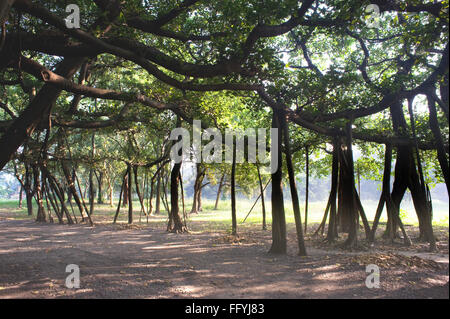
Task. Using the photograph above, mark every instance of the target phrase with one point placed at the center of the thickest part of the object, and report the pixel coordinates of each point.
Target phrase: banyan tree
(133, 71)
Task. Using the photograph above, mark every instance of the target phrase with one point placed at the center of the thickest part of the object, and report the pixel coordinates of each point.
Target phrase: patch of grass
(220, 219)
(10, 209)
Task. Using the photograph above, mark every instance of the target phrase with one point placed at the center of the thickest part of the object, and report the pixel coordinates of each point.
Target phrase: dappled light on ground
(150, 263)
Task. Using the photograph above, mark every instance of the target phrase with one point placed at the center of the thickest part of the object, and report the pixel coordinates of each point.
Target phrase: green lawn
(223, 214)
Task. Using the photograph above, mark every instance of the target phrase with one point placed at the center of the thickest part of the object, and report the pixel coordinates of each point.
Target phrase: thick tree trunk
(29, 198)
(406, 176)
(279, 243)
(175, 224)
(25, 124)
(348, 191)
(196, 200)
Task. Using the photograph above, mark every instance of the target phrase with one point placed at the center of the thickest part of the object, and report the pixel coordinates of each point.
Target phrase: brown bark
(5, 7)
(28, 190)
(29, 199)
(349, 213)
(175, 224)
(406, 176)
(57, 189)
(279, 243)
(150, 197)
(332, 233)
(233, 192)
(35, 112)
(40, 216)
(293, 187)
(50, 203)
(125, 191)
(138, 191)
(71, 186)
(83, 77)
(120, 198)
(385, 191)
(130, 194)
(100, 176)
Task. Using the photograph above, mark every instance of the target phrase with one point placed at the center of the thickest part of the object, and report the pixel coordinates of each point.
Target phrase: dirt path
(150, 263)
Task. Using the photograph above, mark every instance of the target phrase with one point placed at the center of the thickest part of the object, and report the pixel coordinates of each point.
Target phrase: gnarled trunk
(406, 176)
(175, 224)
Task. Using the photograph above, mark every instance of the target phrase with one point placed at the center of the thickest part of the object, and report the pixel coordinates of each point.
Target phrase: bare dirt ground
(146, 262)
